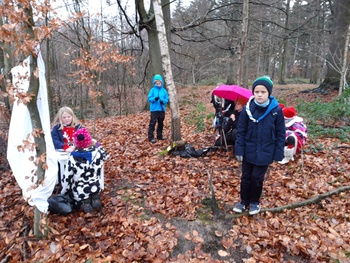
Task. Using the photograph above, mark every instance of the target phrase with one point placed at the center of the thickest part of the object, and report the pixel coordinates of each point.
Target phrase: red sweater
(68, 136)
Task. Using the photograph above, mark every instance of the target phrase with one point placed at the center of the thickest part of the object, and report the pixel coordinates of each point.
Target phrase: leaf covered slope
(155, 210)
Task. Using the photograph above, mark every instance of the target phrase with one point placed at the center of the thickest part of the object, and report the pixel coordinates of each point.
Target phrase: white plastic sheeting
(22, 167)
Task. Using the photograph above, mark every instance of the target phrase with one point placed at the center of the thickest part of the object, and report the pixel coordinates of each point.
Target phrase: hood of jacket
(158, 77)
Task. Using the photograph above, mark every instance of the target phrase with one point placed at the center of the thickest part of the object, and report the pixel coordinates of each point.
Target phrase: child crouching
(82, 177)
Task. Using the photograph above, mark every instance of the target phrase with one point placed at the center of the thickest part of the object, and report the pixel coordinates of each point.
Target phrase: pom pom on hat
(289, 112)
(82, 138)
(265, 81)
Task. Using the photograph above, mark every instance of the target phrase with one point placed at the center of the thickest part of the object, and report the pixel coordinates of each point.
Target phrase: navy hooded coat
(261, 136)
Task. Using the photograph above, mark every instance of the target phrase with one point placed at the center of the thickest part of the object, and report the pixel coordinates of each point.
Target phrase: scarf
(271, 103)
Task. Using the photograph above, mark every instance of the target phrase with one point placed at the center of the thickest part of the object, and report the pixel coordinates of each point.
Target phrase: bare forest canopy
(98, 60)
(99, 51)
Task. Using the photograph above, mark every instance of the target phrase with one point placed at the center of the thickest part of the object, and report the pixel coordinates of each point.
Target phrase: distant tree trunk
(344, 68)
(284, 53)
(341, 22)
(40, 229)
(164, 50)
(314, 69)
(243, 43)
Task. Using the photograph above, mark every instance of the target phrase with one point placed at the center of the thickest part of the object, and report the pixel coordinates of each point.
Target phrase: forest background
(101, 66)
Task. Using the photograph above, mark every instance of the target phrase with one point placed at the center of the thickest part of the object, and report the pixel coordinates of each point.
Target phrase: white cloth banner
(21, 164)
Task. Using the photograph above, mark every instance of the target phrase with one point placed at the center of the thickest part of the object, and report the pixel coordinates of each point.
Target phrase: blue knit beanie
(265, 81)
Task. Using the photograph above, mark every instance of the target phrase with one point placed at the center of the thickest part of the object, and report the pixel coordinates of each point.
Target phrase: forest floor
(159, 208)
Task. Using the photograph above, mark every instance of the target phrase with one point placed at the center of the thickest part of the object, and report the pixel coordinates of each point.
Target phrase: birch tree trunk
(166, 64)
(344, 68)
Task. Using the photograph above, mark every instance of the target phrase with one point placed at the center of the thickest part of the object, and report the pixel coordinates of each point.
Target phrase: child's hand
(70, 149)
(239, 158)
(96, 143)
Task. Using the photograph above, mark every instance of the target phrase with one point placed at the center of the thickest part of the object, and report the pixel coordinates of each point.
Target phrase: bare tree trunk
(344, 68)
(148, 22)
(341, 22)
(164, 50)
(282, 77)
(242, 46)
(5, 66)
(40, 230)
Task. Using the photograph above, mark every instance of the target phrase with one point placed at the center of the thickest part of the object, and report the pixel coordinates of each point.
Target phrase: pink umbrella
(233, 92)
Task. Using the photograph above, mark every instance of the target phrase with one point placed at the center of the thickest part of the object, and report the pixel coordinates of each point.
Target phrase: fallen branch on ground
(313, 200)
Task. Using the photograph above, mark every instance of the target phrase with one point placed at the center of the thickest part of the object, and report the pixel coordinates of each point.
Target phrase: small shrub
(330, 119)
(197, 117)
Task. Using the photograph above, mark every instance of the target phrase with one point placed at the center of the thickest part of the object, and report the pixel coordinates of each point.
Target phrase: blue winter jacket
(158, 105)
(261, 136)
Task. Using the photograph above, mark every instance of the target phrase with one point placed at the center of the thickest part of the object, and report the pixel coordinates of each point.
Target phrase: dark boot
(96, 201)
(86, 206)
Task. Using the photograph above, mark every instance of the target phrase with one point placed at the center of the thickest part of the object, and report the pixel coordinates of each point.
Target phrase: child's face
(261, 94)
(66, 118)
(158, 83)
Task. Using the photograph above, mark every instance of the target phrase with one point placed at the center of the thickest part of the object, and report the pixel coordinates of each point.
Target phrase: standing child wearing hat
(296, 134)
(158, 98)
(259, 142)
(82, 177)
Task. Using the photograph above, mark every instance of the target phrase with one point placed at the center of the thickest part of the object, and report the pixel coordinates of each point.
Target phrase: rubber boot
(288, 155)
(86, 206)
(96, 201)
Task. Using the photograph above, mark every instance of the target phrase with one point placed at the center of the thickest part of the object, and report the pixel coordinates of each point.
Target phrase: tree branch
(313, 200)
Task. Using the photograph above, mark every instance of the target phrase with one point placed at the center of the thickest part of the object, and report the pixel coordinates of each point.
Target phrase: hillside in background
(158, 208)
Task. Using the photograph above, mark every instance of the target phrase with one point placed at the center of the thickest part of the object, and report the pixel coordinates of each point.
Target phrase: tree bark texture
(344, 68)
(166, 62)
(284, 53)
(148, 22)
(39, 229)
(5, 65)
(341, 21)
(243, 43)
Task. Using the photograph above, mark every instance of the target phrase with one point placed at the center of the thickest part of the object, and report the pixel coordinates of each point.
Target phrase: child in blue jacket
(64, 126)
(158, 98)
(260, 141)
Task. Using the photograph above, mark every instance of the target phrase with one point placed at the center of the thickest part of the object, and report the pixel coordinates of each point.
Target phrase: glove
(156, 98)
(161, 102)
(239, 158)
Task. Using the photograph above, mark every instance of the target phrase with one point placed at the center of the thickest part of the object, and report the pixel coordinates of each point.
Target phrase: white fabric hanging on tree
(22, 167)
